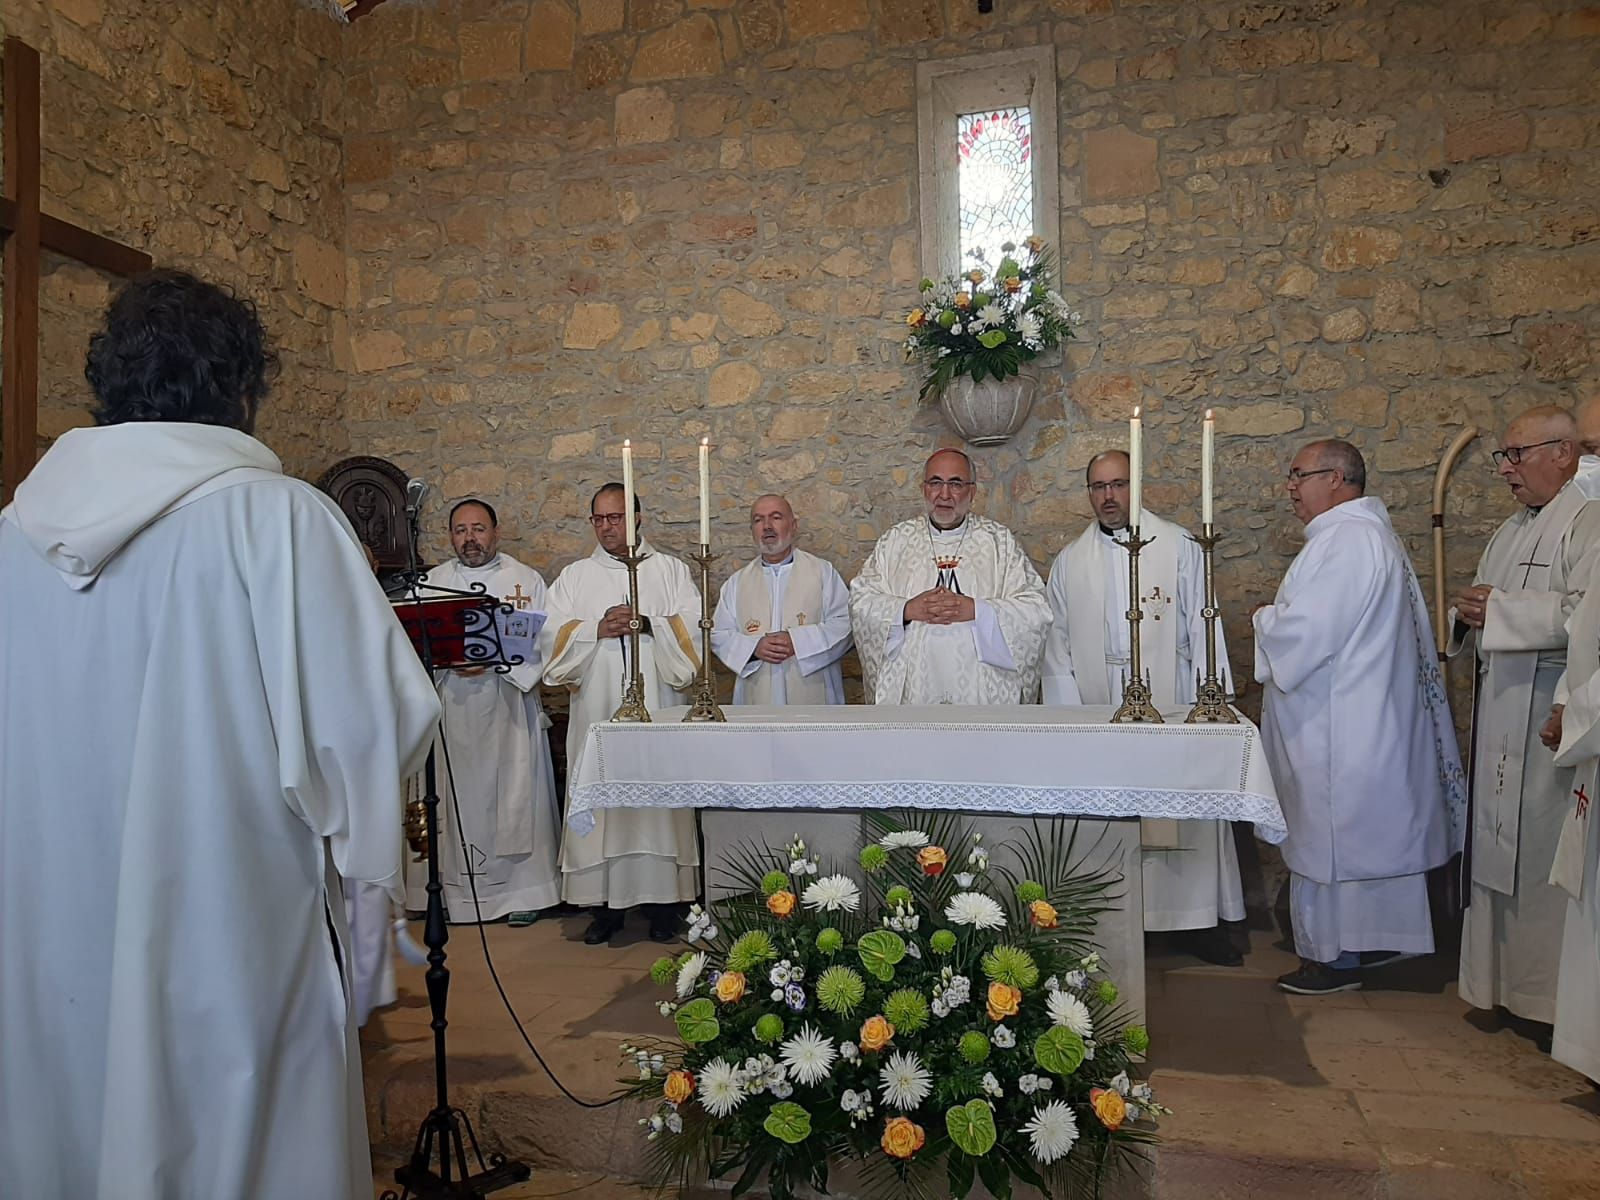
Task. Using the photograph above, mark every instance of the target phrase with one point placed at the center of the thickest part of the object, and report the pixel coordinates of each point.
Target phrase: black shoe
(1319, 979)
(606, 922)
(1212, 946)
(663, 922)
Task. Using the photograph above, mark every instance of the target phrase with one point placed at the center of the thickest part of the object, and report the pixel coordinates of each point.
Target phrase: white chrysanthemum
(1052, 1132)
(975, 909)
(808, 1055)
(906, 1082)
(832, 893)
(689, 973)
(990, 314)
(720, 1087)
(905, 839)
(1071, 1013)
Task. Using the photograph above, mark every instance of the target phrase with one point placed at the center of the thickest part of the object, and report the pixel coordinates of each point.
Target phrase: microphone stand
(446, 1132)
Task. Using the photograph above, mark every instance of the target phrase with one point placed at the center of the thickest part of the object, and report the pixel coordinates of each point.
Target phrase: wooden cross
(517, 599)
(26, 231)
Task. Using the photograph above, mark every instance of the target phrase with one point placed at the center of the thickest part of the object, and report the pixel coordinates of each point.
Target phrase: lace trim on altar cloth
(1093, 802)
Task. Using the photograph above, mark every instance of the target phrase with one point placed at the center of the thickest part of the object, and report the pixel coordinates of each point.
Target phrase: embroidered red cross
(1583, 800)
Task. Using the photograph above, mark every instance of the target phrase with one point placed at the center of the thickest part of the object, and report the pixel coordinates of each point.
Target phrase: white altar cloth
(1027, 760)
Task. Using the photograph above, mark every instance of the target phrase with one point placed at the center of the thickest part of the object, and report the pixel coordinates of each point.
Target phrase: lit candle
(627, 492)
(1208, 439)
(705, 491)
(1135, 469)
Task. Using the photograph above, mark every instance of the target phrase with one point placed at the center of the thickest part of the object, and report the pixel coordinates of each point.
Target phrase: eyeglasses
(1513, 454)
(601, 520)
(946, 485)
(1109, 485)
(1297, 475)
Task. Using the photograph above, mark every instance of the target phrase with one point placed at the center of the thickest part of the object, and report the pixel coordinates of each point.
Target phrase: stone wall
(206, 135)
(572, 221)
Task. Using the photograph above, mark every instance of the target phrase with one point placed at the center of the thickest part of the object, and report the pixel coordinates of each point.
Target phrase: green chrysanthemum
(1107, 991)
(773, 881)
(873, 858)
(1136, 1038)
(974, 1047)
(1010, 964)
(942, 941)
(840, 990)
(663, 971)
(906, 1010)
(769, 1028)
(830, 941)
(1028, 891)
(750, 951)
(897, 895)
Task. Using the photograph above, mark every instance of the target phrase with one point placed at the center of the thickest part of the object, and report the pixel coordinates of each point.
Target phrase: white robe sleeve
(1021, 612)
(877, 617)
(819, 646)
(1060, 683)
(570, 637)
(1526, 620)
(1317, 609)
(671, 643)
(734, 647)
(988, 639)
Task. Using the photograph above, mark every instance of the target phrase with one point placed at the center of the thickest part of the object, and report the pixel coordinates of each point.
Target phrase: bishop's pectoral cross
(517, 600)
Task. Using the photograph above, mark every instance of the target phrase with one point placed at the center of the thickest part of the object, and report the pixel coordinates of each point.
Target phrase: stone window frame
(950, 86)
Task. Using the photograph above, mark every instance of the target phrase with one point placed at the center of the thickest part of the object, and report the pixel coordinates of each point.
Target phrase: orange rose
(902, 1139)
(1042, 915)
(916, 318)
(730, 986)
(962, 300)
(780, 904)
(876, 1033)
(976, 276)
(678, 1086)
(1013, 284)
(931, 859)
(1004, 1000)
(1109, 1106)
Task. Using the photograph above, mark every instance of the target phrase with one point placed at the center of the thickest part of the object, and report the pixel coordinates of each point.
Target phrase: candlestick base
(1136, 708)
(705, 707)
(1211, 706)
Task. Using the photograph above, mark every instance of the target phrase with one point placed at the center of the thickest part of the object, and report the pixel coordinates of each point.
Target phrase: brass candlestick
(1211, 698)
(1136, 706)
(632, 707)
(705, 706)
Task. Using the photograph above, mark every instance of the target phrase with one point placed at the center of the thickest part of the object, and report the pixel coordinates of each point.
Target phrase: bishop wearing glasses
(948, 609)
(1513, 619)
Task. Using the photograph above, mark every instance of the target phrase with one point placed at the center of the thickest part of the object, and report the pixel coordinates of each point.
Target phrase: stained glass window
(994, 180)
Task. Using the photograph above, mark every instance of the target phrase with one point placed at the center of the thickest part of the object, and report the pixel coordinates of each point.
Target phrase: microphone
(416, 490)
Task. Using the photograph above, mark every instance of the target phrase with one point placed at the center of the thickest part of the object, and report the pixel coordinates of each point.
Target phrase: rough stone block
(817, 18)
(1118, 164)
(645, 115)
(732, 383)
(746, 315)
(600, 16)
(378, 350)
(319, 270)
(691, 47)
(490, 50)
(591, 326)
(551, 36)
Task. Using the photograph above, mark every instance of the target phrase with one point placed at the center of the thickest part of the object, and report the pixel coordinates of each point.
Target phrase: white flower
(1120, 1083)
(1052, 984)
(779, 975)
(848, 1051)
(1142, 1093)
(721, 1088)
(906, 1082)
(781, 1088)
(964, 879)
(1071, 1013)
(1027, 1084)
(850, 1100)
(832, 893)
(912, 949)
(1076, 979)
(940, 1008)
(990, 314)
(992, 1085)
(808, 1055)
(689, 973)
(1053, 1131)
(1091, 961)
(667, 1007)
(1003, 1037)
(975, 909)
(905, 839)
(674, 1122)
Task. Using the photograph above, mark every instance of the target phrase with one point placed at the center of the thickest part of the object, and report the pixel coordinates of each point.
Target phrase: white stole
(802, 603)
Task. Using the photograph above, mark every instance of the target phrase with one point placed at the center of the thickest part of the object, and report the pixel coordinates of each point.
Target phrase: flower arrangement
(989, 324)
(927, 1018)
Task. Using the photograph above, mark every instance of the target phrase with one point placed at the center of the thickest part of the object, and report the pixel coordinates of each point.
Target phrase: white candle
(1208, 439)
(627, 492)
(705, 491)
(1135, 469)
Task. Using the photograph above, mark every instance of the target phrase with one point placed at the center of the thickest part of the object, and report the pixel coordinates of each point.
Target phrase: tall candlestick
(627, 493)
(705, 491)
(1135, 469)
(1208, 438)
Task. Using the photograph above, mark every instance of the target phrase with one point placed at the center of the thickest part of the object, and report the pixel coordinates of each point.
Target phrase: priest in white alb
(948, 609)
(501, 860)
(783, 619)
(634, 857)
(1513, 620)
(1190, 868)
(1357, 729)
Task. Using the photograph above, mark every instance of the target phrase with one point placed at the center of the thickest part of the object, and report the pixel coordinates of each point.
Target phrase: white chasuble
(633, 856)
(993, 659)
(802, 596)
(208, 710)
(1190, 868)
(1538, 564)
(1357, 729)
(510, 822)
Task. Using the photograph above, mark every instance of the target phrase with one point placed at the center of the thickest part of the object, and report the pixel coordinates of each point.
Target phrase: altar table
(769, 774)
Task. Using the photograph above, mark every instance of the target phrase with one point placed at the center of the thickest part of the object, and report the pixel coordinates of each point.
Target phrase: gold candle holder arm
(1211, 705)
(633, 707)
(1136, 705)
(705, 706)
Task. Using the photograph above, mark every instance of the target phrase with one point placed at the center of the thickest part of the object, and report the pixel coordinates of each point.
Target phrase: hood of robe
(1587, 479)
(96, 489)
(1363, 508)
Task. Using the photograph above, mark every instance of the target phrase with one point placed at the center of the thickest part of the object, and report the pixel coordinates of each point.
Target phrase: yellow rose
(876, 1033)
(678, 1086)
(901, 1138)
(1004, 1000)
(976, 276)
(1109, 1106)
(1036, 243)
(1042, 914)
(963, 300)
(931, 859)
(915, 317)
(730, 986)
(1013, 284)
(780, 904)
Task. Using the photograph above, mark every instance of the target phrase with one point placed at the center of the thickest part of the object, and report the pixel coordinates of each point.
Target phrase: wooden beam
(63, 237)
(19, 379)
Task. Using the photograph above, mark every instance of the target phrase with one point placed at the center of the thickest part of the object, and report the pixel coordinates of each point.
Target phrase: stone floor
(1398, 1092)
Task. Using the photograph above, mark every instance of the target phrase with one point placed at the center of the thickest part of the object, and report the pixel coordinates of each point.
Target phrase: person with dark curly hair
(206, 710)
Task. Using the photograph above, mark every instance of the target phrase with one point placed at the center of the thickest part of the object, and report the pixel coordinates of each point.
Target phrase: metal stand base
(442, 1133)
